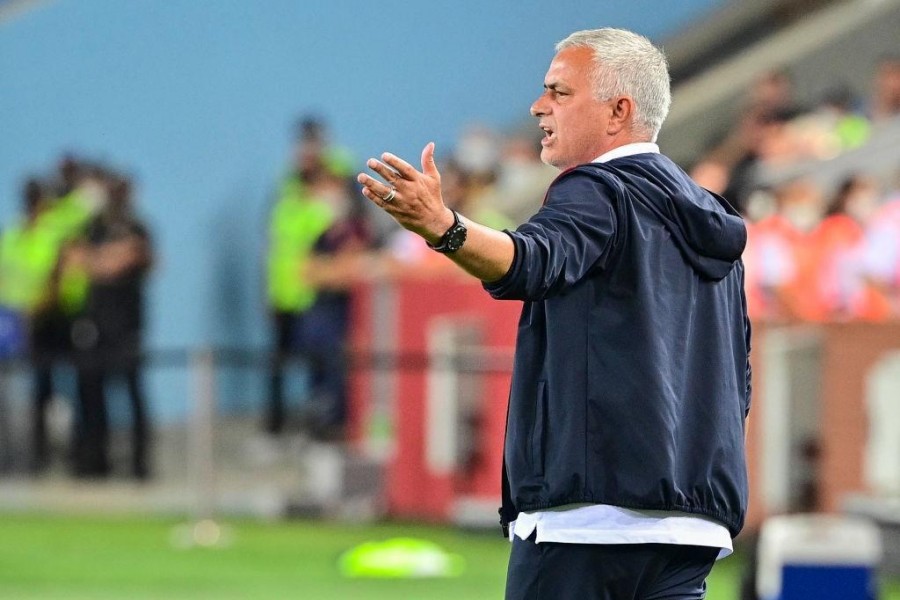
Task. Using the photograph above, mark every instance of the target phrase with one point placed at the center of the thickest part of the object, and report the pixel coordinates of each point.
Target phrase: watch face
(456, 238)
(453, 239)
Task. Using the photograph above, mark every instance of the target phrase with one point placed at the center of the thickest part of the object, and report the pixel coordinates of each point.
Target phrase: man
(624, 471)
(28, 257)
(297, 220)
(118, 257)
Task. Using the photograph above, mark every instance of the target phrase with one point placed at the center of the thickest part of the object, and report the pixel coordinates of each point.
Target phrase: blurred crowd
(72, 273)
(815, 253)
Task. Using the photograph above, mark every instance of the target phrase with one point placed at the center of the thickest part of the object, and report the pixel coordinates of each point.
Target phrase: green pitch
(104, 558)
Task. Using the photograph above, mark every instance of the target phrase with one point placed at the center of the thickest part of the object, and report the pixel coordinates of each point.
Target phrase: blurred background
(221, 370)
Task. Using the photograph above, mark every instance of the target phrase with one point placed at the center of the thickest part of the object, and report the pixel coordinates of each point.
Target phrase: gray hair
(628, 64)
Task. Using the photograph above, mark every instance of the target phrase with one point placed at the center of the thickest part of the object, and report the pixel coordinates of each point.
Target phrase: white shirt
(628, 150)
(605, 524)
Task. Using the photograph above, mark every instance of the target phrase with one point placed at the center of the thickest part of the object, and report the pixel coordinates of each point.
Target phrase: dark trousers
(324, 336)
(97, 370)
(49, 345)
(319, 336)
(552, 571)
(286, 326)
(94, 439)
(43, 392)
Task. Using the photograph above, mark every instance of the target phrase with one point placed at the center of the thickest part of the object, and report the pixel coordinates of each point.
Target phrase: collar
(628, 150)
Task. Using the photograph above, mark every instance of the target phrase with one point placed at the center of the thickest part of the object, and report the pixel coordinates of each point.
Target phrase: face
(889, 79)
(574, 121)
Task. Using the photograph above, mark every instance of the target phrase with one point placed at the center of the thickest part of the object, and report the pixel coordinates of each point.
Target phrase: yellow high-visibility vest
(28, 255)
(67, 219)
(297, 221)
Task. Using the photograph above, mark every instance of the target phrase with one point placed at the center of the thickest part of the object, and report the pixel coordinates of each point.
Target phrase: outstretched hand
(416, 203)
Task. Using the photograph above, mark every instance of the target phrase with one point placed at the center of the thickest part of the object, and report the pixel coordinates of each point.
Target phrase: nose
(539, 107)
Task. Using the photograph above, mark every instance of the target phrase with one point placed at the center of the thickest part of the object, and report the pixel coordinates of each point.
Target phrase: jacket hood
(707, 229)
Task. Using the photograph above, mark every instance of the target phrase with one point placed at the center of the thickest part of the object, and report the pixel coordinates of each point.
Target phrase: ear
(622, 115)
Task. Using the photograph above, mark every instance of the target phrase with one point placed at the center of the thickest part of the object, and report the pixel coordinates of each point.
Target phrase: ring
(390, 196)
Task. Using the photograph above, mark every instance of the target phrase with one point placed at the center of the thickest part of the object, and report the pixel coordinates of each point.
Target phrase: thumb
(428, 165)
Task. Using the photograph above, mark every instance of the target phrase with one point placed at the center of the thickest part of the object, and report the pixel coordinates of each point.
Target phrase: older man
(624, 472)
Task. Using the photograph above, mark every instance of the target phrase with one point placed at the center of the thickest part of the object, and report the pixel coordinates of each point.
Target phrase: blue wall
(197, 99)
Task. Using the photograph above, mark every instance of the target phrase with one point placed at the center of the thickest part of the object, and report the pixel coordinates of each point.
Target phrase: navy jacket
(631, 380)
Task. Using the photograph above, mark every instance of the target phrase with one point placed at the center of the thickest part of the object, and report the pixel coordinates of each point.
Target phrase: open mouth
(549, 134)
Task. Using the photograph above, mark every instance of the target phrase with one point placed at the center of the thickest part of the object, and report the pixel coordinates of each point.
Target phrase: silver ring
(390, 196)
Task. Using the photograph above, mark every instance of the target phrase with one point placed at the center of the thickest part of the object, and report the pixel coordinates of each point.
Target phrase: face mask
(477, 153)
(95, 194)
(802, 216)
(861, 206)
(335, 196)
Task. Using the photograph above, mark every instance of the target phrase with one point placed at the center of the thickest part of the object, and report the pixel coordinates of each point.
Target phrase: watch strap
(453, 238)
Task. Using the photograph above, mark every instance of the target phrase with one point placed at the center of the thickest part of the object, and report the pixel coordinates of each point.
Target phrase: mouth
(549, 134)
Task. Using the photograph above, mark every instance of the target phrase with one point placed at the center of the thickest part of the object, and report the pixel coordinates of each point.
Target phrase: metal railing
(209, 454)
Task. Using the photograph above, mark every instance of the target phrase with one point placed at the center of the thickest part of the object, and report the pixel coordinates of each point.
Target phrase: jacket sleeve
(572, 234)
(747, 340)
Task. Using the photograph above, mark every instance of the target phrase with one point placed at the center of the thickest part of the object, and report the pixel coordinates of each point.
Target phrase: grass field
(70, 558)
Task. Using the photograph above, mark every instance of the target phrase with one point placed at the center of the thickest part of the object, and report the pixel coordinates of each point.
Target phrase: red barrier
(389, 416)
(390, 404)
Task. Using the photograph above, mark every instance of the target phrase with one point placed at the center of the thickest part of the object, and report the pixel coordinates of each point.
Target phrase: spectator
(886, 96)
(68, 216)
(28, 259)
(837, 245)
(296, 222)
(118, 257)
(881, 262)
(778, 257)
(334, 266)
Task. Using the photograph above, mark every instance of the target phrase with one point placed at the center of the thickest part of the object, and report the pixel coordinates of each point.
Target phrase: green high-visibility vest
(74, 287)
(28, 255)
(67, 219)
(67, 216)
(296, 222)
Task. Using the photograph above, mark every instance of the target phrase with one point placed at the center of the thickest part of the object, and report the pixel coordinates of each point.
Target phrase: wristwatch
(454, 238)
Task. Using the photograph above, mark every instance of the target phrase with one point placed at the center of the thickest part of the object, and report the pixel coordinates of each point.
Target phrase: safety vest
(296, 222)
(67, 219)
(67, 216)
(28, 255)
(74, 286)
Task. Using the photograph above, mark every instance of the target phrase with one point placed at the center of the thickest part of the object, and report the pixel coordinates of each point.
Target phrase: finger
(373, 197)
(428, 165)
(377, 188)
(387, 173)
(406, 170)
